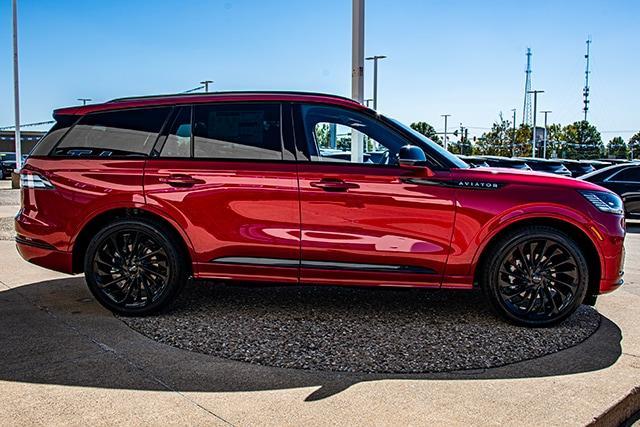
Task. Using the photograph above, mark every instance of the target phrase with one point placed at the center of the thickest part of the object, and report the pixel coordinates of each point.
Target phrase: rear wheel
(536, 276)
(134, 267)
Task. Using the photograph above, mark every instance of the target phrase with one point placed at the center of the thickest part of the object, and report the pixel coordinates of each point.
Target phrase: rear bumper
(43, 256)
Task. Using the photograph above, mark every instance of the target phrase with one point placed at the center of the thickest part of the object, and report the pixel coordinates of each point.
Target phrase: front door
(365, 222)
(220, 171)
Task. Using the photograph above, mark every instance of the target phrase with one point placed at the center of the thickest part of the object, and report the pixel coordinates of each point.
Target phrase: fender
(142, 207)
(536, 211)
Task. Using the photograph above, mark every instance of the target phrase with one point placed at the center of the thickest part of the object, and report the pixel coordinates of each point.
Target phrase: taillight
(30, 179)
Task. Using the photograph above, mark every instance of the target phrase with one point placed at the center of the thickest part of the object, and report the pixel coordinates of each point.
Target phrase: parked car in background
(7, 164)
(142, 194)
(614, 161)
(577, 167)
(549, 166)
(624, 180)
(599, 164)
(505, 162)
(474, 161)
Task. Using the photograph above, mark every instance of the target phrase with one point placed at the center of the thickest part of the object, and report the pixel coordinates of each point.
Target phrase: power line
(28, 124)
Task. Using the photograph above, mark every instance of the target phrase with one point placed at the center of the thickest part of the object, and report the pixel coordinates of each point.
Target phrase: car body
(577, 167)
(235, 187)
(505, 162)
(7, 164)
(624, 180)
(548, 166)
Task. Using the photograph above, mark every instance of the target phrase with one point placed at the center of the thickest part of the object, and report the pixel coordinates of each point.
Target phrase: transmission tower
(526, 110)
(585, 91)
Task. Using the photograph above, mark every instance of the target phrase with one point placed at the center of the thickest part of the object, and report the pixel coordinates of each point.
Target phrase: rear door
(222, 173)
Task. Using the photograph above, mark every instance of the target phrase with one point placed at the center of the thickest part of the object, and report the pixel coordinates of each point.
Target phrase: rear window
(57, 131)
(237, 131)
(628, 175)
(114, 133)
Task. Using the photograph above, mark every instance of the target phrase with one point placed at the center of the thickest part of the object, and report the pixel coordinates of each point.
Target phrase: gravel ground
(354, 330)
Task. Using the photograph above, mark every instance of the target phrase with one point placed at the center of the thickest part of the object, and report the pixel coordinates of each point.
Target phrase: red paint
(280, 210)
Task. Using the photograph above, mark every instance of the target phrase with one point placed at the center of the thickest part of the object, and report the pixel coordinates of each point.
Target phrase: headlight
(604, 201)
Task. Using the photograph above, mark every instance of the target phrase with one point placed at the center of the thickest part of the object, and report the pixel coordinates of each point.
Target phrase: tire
(535, 276)
(135, 267)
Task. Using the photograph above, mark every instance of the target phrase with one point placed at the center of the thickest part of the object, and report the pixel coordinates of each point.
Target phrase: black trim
(34, 243)
(324, 265)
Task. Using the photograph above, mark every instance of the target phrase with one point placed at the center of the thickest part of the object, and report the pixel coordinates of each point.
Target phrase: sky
(464, 58)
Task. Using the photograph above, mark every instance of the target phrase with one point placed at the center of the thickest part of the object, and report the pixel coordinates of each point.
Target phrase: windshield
(459, 163)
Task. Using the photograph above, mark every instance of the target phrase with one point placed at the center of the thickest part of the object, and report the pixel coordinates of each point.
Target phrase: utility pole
(375, 59)
(16, 87)
(446, 143)
(585, 91)
(544, 146)
(513, 138)
(206, 84)
(526, 110)
(84, 100)
(535, 113)
(357, 72)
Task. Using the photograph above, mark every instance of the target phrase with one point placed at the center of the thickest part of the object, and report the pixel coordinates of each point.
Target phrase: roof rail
(226, 93)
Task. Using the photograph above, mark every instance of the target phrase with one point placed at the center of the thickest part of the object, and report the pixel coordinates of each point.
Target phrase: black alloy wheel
(134, 267)
(536, 276)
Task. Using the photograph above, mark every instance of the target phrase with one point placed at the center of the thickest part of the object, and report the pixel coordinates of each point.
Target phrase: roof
(210, 97)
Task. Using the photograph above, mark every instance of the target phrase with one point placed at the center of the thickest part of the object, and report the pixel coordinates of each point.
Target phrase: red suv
(142, 193)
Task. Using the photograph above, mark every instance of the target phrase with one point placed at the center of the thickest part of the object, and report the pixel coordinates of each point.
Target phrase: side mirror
(412, 157)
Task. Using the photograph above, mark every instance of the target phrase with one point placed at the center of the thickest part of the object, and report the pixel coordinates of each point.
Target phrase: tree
(582, 141)
(555, 139)
(617, 149)
(634, 146)
(524, 134)
(497, 141)
(427, 130)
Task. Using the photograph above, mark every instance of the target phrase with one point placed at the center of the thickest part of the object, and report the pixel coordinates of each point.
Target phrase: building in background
(29, 139)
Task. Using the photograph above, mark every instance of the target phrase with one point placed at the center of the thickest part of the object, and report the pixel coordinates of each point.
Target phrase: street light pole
(513, 138)
(446, 116)
(535, 113)
(16, 87)
(84, 100)
(357, 72)
(367, 101)
(544, 146)
(206, 84)
(375, 59)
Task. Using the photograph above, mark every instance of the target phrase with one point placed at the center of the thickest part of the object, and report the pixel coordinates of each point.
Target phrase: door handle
(333, 184)
(180, 180)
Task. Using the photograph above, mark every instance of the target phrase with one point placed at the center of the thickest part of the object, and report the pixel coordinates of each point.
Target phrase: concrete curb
(617, 414)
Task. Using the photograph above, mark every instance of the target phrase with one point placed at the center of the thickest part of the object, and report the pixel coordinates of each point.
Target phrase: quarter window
(114, 133)
(237, 131)
(178, 143)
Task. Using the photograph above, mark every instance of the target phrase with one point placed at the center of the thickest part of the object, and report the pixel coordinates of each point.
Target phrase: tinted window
(178, 142)
(330, 131)
(7, 157)
(57, 131)
(628, 174)
(237, 131)
(114, 133)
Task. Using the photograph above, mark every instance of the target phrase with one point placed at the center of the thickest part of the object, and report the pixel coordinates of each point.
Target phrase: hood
(513, 176)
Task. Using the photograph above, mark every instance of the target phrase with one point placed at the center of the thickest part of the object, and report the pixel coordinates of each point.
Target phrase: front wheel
(536, 276)
(134, 267)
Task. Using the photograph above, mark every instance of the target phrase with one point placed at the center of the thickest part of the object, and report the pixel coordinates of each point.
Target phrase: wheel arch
(100, 220)
(578, 234)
